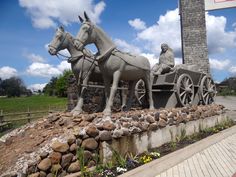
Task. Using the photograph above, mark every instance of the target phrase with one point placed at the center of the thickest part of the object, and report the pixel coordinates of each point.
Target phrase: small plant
(99, 166)
(109, 165)
(182, 134)
(132, 160)
(55, 172)
(80, 156)
(173, 145)
(118, 158)
(132, 157)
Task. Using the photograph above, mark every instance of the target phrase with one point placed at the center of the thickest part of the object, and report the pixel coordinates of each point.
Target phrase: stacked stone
(72, 93)
(88, 130)
(93, 97)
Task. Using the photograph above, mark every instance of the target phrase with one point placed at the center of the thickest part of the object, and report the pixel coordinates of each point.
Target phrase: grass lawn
(34, 103)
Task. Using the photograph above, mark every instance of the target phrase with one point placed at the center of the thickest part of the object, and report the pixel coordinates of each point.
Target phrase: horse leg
(123, 96)
(103, 102)
(116, 77)
(131, 96)
(78, 109)
(107, 83)
(148, 84)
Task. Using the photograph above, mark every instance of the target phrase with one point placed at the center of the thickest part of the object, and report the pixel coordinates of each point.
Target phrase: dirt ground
(26, 142)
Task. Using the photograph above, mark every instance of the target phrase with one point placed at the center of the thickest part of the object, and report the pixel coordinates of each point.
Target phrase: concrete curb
(157, 166)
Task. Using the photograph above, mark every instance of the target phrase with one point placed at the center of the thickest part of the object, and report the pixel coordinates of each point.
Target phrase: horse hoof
(151, 108)
(107, 113)
(76, 112)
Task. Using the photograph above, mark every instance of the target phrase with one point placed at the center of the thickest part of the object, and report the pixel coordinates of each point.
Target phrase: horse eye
(58, 36)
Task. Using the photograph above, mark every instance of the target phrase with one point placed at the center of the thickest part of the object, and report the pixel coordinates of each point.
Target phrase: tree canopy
(13, 87)
(57, 86)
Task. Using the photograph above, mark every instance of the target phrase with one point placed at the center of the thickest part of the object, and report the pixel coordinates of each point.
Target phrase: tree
(62, 83)
(57, 86)
(50, 88)
(13, 86)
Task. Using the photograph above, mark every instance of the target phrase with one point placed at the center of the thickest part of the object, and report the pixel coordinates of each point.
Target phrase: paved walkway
(214, 156)
(218, 160)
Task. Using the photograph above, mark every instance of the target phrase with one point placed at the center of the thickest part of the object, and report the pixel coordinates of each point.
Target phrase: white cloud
(167, 30)
(232, 69)
(219, 64)
(6, 72)
(47, 70)
(34, 57)
(43, 70)
(36, 87)
(137, 23)
(218, 38)
(151, 58)
(123, 45)
(64, 65)
(48, 14)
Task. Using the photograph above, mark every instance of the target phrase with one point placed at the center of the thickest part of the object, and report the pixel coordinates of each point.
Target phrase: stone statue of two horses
(83, 66)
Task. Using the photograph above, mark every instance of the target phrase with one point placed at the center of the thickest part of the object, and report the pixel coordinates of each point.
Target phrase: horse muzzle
(52, 50)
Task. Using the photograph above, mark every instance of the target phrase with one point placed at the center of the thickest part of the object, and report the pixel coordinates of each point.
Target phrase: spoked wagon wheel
(140, 92)
(185, 90)
(207, 90)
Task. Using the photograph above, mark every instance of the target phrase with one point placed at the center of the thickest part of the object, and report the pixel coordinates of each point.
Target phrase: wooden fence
(9, 119)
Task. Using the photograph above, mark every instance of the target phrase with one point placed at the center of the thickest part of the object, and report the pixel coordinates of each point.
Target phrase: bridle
(61, 42)
(89, 31)
(69, 58)
(58, 48)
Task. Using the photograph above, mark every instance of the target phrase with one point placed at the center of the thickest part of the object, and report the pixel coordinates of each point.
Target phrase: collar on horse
(105, 55)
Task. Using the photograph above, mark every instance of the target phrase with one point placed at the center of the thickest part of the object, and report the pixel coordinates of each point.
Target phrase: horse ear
(81, 19)
(86, 17)
(62, 28)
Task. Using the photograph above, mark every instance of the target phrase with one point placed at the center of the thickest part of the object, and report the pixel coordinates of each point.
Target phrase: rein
(87, 73)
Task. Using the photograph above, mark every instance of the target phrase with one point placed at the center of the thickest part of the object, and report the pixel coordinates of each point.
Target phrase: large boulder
(89, 144)
(60, 147)
(45, 164)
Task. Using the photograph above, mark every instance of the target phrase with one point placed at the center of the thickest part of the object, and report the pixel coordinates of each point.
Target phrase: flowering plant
(155, 154)
(145, 159)
(121, 170)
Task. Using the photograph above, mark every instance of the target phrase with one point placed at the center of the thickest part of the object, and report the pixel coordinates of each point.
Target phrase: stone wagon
(183, 86)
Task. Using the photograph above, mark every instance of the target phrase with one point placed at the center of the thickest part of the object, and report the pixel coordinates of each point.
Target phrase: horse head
(86, 33)
(59, 41)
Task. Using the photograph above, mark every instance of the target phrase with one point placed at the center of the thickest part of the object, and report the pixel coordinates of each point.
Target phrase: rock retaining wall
(134, 131)
(139, 143)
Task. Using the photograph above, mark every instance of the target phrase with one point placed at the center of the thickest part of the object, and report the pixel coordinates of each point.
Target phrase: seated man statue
(166, 61)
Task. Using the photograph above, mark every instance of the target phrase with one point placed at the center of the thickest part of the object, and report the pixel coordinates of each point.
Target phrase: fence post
(1, 117)
(28, 115)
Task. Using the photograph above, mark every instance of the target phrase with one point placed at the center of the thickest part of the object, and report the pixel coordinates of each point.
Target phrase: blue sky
(139, 26)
